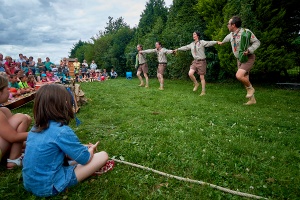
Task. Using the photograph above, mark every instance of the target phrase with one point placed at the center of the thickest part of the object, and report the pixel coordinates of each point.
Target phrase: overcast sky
(42, 28)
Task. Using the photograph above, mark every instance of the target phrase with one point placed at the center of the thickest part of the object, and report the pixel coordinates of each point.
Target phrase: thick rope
(191, 180)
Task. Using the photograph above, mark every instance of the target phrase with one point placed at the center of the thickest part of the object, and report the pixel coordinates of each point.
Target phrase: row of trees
(275, 22)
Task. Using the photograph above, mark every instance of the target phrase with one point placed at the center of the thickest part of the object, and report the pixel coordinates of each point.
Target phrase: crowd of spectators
(24, 73)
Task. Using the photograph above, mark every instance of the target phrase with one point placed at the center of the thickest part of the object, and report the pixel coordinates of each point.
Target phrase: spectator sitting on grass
(68, 77)
(9, 66)
(23, 84)
(13, 129)
(77, 78)
(81, 77)
(20, 60)
(37, 75)
(54, 70)
(84, 70)
(76, 65)
(64, 62)
(105, 74)
(113, 74)
(48, 64)
(44, 78)
(19, 74)
(14, 86)
(31, 81)
(65, 70)
(31, 64)
(40, 66)
(2, 61)
(93, 65)
(3, 74)
(60, 74)
(24, 68)
(30, 72)
(98, 75)
(50, 140)
(49, 76)
(54, 77)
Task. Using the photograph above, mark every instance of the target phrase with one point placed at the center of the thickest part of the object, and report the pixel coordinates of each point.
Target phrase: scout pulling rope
(191, 180)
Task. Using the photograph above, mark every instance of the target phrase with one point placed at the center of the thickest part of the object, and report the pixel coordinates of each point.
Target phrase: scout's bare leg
(203, 84)
(193, 78)
(139, 76)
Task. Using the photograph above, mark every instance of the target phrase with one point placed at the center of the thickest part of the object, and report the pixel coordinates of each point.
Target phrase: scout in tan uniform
(141, 65)
(242, 74)
(162, 61)
(199, 63)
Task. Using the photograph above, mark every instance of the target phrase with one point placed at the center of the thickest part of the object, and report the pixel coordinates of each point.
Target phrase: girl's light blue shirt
(44, 157)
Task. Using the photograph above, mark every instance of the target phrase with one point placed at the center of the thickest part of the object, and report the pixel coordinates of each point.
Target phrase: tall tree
(75, 47)
(154, 9)
(113, 26)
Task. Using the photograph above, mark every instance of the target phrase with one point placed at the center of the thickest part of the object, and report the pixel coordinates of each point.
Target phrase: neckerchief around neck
(234, 40)
(195, 50)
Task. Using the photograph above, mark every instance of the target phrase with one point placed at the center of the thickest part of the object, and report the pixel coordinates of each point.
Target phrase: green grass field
(214, 138)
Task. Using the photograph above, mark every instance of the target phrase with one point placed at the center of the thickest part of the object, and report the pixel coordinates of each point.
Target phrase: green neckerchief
(137, 60)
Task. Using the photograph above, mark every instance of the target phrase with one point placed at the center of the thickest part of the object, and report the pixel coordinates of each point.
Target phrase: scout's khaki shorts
(247, 66)
(161, 68)
(199, 66)
(143, 68)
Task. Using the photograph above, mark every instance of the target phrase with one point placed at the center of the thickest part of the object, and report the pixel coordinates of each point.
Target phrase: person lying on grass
(13, 129)
(50, 140)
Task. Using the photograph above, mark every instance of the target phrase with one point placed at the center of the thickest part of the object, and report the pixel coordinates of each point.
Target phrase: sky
(50, 28)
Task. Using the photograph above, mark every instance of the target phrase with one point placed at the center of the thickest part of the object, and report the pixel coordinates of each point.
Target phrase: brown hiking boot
(196, 85)
(250, 91)
(251, 101)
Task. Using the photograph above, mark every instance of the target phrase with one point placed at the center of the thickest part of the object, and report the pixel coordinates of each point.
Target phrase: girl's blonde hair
(8, 58)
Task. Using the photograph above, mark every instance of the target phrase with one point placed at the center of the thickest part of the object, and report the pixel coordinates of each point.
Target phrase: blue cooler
(128, 75)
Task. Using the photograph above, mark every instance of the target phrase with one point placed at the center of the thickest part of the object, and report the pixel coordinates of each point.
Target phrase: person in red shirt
(9, 66)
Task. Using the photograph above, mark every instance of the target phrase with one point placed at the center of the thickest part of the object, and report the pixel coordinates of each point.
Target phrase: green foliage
(265, 19)
(114, 25)
(76, 48)
(154, 9)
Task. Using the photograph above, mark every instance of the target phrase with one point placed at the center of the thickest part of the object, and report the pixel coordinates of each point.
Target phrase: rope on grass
(191, 180)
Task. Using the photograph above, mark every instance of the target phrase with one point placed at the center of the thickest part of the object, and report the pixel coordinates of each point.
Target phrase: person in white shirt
(20, 60)
(113, 74)
(93, 65)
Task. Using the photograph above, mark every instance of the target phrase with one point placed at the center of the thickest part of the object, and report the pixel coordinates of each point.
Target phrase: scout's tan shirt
(197, 49)
(254, 42)
(161, 54)
(142, 58)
